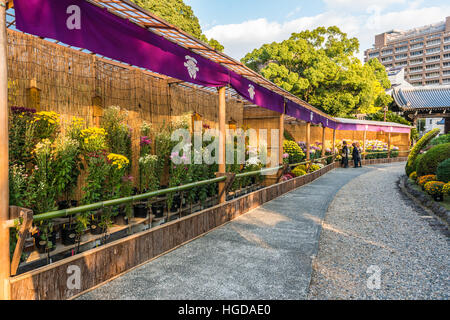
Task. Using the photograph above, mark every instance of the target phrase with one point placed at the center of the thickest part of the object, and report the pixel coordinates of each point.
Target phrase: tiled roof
(422, 98)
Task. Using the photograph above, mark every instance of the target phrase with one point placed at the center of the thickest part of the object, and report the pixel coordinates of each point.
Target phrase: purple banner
(256, 93)
(302, 113)
(84, 25)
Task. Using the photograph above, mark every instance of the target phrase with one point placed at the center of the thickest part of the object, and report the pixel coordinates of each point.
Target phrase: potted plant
(45, 237)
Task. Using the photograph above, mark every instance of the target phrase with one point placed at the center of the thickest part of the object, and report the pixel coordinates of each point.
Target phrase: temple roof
(422, 98)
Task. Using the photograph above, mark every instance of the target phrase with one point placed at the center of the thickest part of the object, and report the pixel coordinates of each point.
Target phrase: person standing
(345, 154)
(359, 154)
(355, 154)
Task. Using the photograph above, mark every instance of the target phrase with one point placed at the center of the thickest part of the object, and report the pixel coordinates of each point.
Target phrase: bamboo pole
(5, 264)
(222, 141)
(308, 140)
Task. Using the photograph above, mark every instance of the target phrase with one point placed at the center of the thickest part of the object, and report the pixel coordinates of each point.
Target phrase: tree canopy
(320, 67)
(179, 14)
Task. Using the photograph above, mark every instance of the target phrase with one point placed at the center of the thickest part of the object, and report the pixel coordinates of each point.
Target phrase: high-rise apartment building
(423, 52)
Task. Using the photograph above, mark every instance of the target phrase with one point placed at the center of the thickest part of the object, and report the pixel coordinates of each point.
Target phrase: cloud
(242, 38)
(358, 5)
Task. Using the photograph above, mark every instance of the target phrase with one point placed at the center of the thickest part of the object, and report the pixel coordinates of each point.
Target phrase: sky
(244, 25)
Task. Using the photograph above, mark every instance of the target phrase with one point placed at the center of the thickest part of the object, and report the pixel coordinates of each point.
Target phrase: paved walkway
(264, 254)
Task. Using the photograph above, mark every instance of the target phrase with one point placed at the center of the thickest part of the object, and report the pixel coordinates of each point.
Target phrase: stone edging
(424, 199)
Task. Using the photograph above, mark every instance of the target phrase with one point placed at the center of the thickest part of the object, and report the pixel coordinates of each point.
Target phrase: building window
(446, 48)
(446, 80)
(432, 74)
(415, 77)
(415, 61)
(386, 59)
(446, 72)
(446, 64)
(446, 39)
(432, 82)
(417, 40)
(386, 52)
(416, 53)
(374, 54)
(447, 56)
(416, 69)
(433, 66)
(401, 56)
(433, 42)
(433, 50)
(402, 63)
(416, 46)
(433, 58)
(401, 49)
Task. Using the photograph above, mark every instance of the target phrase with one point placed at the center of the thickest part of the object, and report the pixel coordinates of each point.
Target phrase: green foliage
(288, 136)
(118, 135)
(429, 162)
(443, 171)
(95, 182)
(413, 176)
(421, 144)
(416, 162)
(319, 67)
(179, 14)
(390, 117)
(441, 139)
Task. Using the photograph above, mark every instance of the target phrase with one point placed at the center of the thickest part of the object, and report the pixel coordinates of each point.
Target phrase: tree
(319, 67)
(179, 14)
(390, 117)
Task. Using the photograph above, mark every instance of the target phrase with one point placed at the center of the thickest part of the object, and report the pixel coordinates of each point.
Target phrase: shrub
(298, 171)
(417, 161)
(424, 179)
(443, 171)
(314, 167)
(422, 143)
(441, 139)
(431, 159)
(446, 189)
(434, 187)
(413, 176)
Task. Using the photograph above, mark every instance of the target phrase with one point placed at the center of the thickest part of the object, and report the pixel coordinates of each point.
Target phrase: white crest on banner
(312, 116)
(392, 129)
(367, 127)
(327, 123)
(191, 65)
(251, 91)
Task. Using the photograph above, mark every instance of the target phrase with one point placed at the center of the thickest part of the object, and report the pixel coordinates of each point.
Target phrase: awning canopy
(122, 31)
(367, 125)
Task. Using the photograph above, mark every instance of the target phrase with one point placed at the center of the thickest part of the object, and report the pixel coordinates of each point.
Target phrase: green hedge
(441, 139)
(443, 171)
(422, 143)
(432, 158)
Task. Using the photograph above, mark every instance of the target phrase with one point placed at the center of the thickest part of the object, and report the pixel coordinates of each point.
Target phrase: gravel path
(370, 223)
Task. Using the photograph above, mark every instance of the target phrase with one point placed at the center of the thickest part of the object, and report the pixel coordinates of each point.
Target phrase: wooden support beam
(334, 145)
(308, 140)
(364, 145)
(389, 145)
(324, 129)
(27, 220)
(222, 141)
(281, 140)
(5, 263)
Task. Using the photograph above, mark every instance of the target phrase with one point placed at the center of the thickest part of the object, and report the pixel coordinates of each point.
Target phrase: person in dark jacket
(345, 154)
(355, 155)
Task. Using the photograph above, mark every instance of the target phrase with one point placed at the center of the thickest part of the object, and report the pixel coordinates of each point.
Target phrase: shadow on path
(264, 254)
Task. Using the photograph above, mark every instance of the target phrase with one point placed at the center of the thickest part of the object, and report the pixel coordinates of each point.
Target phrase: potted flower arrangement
(294, 151)
(435, 189)
(424, 179)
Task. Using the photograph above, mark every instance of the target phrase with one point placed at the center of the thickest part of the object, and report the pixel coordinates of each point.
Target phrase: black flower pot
(41, 244)
(63, 205)
(158, 209)
(68, 235)
(95, 228)
(121, 218)
(176, 203)
(140, 210)
(438, 197)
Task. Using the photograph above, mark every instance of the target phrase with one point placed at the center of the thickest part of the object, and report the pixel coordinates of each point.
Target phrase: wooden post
(5, 264)
(308, 140)
(389, 145)
(27, 220)
(222, 141)
(281, 140)
(334, 145)
(364, 145)
(323, 140)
